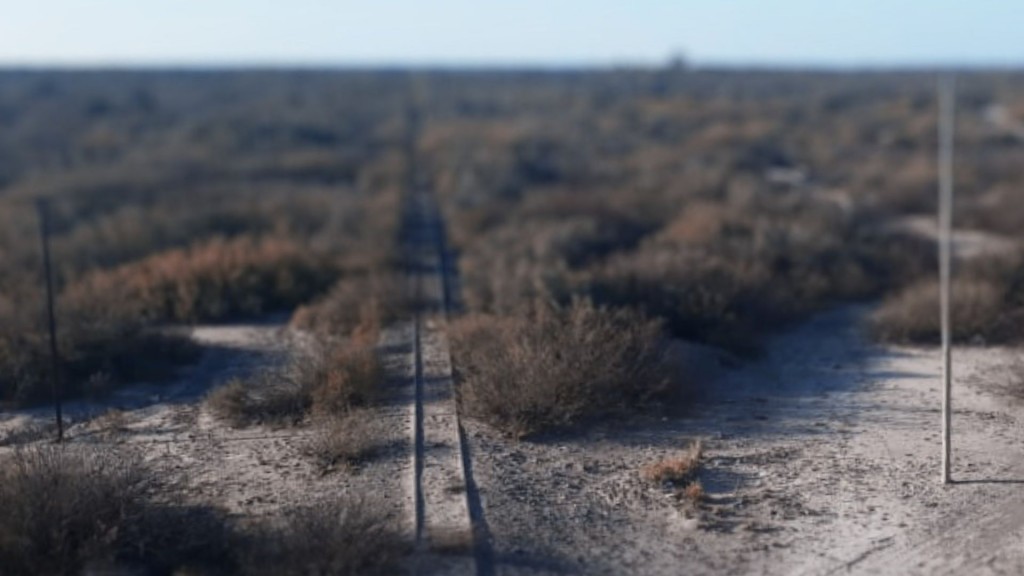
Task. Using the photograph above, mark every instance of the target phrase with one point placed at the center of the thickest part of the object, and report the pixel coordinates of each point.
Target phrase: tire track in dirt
(864, 487)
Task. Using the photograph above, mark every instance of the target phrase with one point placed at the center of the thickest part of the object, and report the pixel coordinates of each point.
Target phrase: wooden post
(947, 118)
(43, 210)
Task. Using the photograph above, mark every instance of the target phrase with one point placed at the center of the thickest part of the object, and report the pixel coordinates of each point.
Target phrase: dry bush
(694, 491)
(537, 247)
(267, 398)
(350, 375)
(726, 275)
(354, 301)
(214, 280)
(700, 297)
(346, 440)
(94, 359)
(337, 537)
(229, 206)
(66, 509)
(325, 380)
(978, 310)
(677, 470)
(555, 367)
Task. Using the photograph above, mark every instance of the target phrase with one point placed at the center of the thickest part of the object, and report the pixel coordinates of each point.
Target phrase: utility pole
(43, 209)
(947, 119)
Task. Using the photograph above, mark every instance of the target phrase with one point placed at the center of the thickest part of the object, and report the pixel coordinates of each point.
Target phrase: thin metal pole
(947, 118)
(44, 231)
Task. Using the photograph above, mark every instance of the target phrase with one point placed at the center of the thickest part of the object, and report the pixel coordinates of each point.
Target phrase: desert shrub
(67, 508)
(987, 305)
(215, 280)
(61, 508)
(95, 357)
(349, 375)
(678, 470)
(977, 311)
(326, 379)
(270, 397)
(703, 298)
(345, 440)
(556, 367)
(338, 537)
(354, 301)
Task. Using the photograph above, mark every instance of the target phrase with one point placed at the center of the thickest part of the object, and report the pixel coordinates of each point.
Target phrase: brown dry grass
(678, 470)
(354, 301)
(679, 473)
(694, 492)
(987, 305)
(326, 379)
(348, 375)
(912, 315)
(555, 367)
(210, 281)
(344, 441)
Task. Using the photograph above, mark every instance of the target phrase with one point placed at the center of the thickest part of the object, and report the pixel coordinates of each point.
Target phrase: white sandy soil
(821, 458)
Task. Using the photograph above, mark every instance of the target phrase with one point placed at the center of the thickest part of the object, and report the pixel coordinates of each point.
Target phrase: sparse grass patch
(29, 433)
(679, 473)
(348, 375)
(346, 440)
(62, 507)
(111, 423)
(268, 397)
(96, 357)
(336, 537)
(554, 367)
(678, 470)
(325, 380)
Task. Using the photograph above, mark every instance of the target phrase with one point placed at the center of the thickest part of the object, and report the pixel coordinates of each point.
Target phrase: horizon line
(510, 65)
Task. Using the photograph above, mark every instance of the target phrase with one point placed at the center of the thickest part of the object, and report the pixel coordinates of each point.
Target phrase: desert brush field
(622, 321)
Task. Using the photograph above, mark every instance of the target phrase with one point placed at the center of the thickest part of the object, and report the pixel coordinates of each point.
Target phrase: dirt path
(821, 458)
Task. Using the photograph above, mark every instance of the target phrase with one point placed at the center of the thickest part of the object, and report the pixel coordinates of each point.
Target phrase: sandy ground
(821, 458)
(250, 472)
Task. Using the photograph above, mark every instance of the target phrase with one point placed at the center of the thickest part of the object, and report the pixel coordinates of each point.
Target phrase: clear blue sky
(509, 32)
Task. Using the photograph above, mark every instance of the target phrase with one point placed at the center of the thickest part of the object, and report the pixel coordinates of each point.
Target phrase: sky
(480, 33)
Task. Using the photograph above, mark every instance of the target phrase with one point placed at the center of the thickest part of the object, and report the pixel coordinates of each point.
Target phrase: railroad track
(450, 532)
